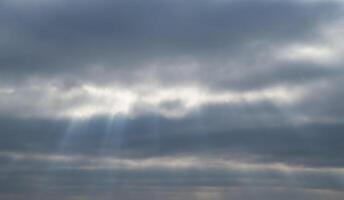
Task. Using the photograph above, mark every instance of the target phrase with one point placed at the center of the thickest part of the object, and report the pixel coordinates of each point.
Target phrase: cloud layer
(171, 100)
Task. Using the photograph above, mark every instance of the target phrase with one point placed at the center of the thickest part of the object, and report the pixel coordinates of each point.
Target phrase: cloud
(122, 40)
(85, 101)
(253, 134)
(75, 175)
(160, 99)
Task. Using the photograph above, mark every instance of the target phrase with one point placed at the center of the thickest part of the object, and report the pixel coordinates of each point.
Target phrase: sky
(171, 99)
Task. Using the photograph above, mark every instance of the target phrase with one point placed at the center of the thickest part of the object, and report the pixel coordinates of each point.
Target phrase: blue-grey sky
(171, 99)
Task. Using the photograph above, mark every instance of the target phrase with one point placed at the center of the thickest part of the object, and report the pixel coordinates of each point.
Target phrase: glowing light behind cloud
(111, 101)
(308, 53)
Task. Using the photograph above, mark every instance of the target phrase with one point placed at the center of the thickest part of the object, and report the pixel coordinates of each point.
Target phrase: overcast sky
(171, 99)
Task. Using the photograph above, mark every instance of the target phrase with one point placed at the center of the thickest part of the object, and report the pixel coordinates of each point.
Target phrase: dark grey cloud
(282, 74)
(31, 179)
(123, 38)
(325, 101)
(258, 133)
(278, 135)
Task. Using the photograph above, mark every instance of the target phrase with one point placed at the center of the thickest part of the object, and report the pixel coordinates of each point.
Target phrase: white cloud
(89, 100)
(310, 53)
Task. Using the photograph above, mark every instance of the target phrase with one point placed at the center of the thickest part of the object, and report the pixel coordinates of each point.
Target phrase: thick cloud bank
(162, 99)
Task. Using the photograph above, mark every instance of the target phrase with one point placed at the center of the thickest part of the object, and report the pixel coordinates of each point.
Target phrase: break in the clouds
(162, 99)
